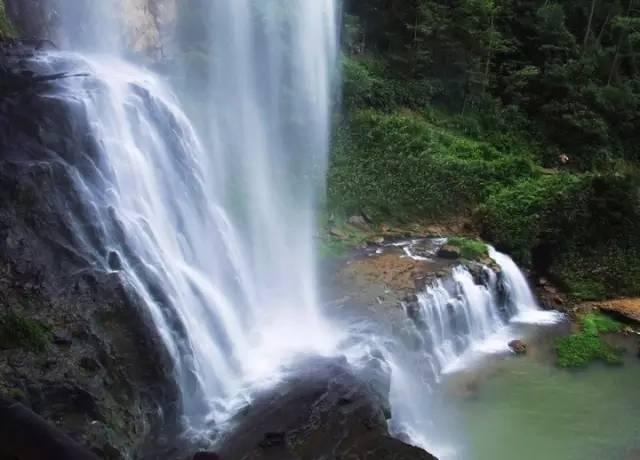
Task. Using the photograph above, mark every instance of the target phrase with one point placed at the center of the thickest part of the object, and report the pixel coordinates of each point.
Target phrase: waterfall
(458, 320)
(213, 230)
(212, 227)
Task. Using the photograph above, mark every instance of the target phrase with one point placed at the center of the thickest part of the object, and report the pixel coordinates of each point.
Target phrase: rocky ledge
(75, 346)
(323, 410)
(627, 310)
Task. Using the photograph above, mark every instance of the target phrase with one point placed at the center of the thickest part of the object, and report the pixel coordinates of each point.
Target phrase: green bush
(399, 166)
(469, 248)
(596, 272)
(367, 84)
(582, 228)
(517, 217)
(580, 349)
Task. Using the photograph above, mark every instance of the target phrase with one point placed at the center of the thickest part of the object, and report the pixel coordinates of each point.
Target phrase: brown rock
(627, 308)
(518, 347)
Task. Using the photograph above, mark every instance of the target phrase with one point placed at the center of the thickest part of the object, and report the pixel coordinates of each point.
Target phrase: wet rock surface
(148, 24)
(518, 347)
(26, 436)
(76, 346)
(626, 309)
(322, 410)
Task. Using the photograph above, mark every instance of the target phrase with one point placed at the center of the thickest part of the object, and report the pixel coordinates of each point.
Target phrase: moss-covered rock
(17, 331)
(469, 248)
(583, 347)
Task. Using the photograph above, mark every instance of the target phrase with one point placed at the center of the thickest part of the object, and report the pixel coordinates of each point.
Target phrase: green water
(527, 409)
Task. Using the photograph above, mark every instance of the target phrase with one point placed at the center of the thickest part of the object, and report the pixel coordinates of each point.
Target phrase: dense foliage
(521, 113)
(571, 67)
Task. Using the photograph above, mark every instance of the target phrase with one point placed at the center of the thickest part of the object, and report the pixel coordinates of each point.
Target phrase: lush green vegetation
(585, 346)
(469, 248)
(523, 114)
(17, 331)
(399, 166)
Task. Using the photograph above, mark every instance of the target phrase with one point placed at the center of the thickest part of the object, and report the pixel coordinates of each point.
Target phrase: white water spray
(215, 232)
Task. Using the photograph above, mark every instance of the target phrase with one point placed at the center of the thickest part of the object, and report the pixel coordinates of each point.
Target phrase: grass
(19, 332)
(469, 248)
(586, 346)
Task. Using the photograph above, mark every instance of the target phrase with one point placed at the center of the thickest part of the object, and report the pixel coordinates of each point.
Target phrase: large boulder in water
(323, 409)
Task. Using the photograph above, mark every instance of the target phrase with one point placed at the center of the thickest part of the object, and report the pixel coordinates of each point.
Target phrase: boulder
(627, 309)
(449, 252)
(518, 347)
(321, 410)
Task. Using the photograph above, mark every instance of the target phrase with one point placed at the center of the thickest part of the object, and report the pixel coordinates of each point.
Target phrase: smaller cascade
(462, 315)
(458, 319)
(521, 301)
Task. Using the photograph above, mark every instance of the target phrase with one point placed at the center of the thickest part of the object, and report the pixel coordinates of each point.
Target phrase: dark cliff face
(75, 344)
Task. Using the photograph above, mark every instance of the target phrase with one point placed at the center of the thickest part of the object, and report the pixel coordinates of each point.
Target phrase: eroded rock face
(84, 357)
(628, 309)
(323, 410)
(146, 25)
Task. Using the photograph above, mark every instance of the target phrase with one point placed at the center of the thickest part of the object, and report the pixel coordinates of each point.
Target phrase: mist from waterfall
(213, 229)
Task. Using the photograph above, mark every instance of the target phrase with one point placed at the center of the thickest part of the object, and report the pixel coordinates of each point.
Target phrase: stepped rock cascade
(459, 319)
(216, 237)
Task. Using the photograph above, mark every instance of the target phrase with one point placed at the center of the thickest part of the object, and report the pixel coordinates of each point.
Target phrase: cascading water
(458, 320)
(217, 236)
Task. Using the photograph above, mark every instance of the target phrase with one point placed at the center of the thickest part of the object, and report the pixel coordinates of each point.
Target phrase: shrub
(580, 349)
(515, 218)
(579, 228)
(399, 166)
(367, 85)
(469, 248)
